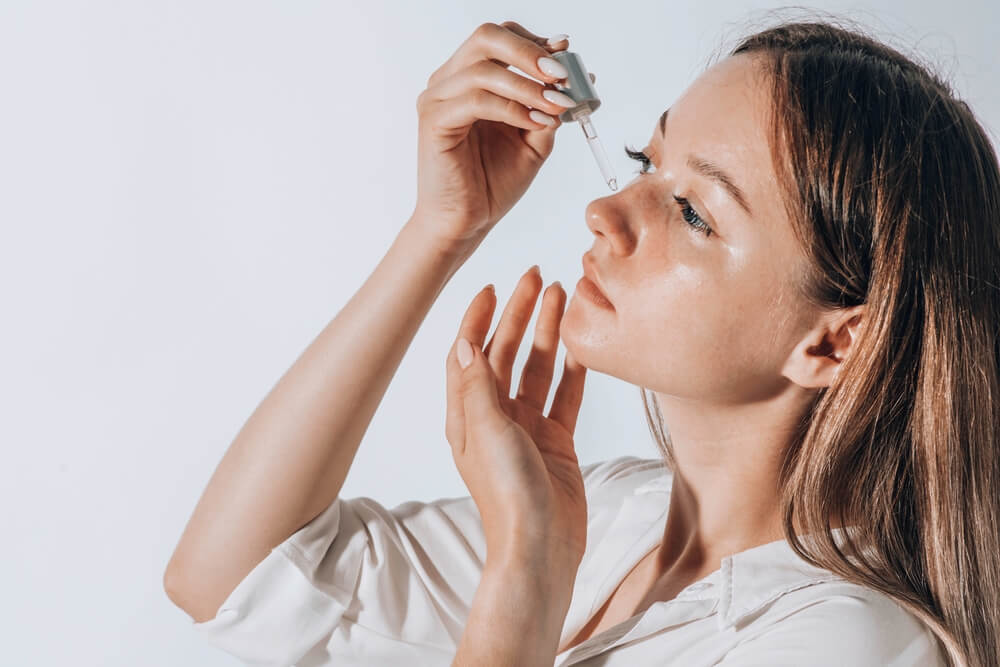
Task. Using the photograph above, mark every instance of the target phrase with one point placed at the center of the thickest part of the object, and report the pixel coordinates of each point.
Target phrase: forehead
(724, 116)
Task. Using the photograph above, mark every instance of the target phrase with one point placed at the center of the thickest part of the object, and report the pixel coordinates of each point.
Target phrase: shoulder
(837, 623)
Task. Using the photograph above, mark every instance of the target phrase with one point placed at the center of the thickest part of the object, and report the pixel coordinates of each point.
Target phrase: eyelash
(690, 216)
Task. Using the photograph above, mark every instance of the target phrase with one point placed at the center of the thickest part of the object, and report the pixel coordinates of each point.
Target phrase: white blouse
(364, 585)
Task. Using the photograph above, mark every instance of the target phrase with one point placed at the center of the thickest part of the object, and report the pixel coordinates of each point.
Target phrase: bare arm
(290, 459)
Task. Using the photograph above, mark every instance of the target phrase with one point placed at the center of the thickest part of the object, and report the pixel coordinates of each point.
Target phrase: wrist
(426, 232)
(516, 616)
(549, 572)
(535, 549)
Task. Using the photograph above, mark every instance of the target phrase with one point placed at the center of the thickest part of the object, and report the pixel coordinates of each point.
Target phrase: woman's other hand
(480, 142)
(519, 465)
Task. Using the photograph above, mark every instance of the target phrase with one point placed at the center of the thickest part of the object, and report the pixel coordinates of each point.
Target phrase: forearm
(291, 457)
(517, 614)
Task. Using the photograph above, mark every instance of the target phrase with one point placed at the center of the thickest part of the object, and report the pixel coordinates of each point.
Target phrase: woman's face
(710, 317)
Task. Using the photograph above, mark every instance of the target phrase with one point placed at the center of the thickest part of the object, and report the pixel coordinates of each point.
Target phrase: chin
(599, 353)
(588, 347)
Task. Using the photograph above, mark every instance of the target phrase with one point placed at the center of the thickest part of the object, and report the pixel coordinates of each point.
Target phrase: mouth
(590, 284)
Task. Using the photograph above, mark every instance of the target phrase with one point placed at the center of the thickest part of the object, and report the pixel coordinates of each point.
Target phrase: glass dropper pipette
(597, 148)
(579, 86)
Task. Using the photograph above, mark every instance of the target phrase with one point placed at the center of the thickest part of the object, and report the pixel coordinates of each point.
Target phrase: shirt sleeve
(408, 573)
(860, 629)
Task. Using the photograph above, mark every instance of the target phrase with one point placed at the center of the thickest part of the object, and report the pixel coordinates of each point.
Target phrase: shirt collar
(749, 580)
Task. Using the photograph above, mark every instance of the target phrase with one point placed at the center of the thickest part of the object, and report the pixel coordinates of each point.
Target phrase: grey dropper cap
(578, 85)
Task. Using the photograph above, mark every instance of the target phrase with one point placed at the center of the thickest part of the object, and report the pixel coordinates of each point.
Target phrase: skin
(712, 325)
(730, 362)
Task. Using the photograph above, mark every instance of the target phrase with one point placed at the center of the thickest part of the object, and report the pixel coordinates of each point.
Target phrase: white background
(190, 191)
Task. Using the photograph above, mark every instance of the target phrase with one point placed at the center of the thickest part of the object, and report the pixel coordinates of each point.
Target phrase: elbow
(199, 606)
(172, 587)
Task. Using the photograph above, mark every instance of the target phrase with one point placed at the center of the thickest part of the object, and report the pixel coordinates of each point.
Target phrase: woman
(804, 277)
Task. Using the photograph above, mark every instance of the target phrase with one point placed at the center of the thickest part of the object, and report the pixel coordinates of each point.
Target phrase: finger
(519, 29)
(569, 394)
(503, 345)
(543, 139)
(479, 392)
(553, 43)
(462, 111)
(557, 43)
(474, 327)
(536, 378)
(478, 316)
(503, 83)
(502, 45)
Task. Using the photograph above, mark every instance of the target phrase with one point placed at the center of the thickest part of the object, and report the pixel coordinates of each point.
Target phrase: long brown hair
(893, 189)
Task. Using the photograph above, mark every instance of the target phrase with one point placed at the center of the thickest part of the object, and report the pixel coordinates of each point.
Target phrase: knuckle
(544, 332)
(513, 107)
(479, 70)
(486, 30)
(435, 75)
(426, 114)
(478, 98)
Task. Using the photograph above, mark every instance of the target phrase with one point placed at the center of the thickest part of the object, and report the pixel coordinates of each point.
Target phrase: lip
(591, 274)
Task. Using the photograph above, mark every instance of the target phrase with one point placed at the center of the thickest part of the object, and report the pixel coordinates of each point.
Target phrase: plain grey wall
(190, 191)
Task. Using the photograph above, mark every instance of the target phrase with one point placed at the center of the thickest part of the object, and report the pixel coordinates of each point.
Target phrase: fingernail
(562, 99)
(552, 67)
(490, 287)
(557, 284)
(542, 118)
(464, 353)
(555, 39)
(535, 269)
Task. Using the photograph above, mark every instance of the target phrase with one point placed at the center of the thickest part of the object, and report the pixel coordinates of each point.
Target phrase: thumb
(542, 140)
(478, 385)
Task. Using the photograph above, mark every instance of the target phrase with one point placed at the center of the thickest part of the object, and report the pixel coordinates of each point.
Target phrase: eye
(640, 157)
(690, 216)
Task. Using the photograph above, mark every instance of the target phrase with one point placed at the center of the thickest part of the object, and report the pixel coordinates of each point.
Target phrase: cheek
(684, 312)
(696, 335)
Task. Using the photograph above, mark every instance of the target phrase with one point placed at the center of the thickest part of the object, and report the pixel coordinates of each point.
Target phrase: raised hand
(484, 131)
(520, 465)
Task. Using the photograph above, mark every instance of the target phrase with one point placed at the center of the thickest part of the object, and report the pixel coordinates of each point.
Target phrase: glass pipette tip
(597, 148)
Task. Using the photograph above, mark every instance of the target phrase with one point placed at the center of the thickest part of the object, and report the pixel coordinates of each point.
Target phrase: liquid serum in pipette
(581, 89)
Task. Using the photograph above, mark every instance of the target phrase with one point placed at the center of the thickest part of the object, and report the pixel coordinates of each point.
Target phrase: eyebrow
(712, 171)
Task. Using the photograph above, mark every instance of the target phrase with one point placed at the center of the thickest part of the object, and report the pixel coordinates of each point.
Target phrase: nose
(607, 217)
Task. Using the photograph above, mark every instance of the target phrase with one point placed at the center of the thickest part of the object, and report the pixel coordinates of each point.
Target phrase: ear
(816, 360)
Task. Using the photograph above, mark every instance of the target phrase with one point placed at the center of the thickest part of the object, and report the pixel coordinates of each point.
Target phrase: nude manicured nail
(555, 39)
(562, 99)
(552, 67)
(540, 117)
(464, 353)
